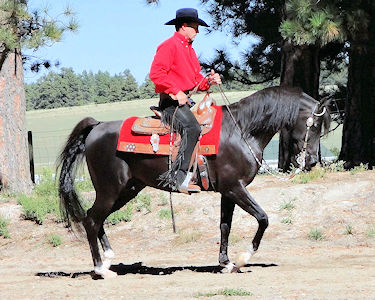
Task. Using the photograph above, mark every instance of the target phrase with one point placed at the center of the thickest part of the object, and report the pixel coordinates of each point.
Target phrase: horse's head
(313, 118)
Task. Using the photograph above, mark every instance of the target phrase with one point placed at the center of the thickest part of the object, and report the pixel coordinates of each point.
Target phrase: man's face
(191, 30)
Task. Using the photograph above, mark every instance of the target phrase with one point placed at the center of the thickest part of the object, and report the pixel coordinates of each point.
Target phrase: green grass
(186, 237)
(286, 220)
(288, 205)
(43, 200)
(54, 239)
(226, 292)
(143, 202)
(361, 168)
(165, 213)
(4, 228)
(316, 234)
(234, 238)
(306, 177)
(125, 214)
(370, 232)
(348, 230)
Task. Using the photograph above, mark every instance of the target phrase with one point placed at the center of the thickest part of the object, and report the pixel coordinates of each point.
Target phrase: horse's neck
(264, 139)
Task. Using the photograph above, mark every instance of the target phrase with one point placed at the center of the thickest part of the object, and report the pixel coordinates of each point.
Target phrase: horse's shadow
(139, 268)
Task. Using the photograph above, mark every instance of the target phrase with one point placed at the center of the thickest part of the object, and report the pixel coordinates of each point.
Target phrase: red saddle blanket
(130, 142)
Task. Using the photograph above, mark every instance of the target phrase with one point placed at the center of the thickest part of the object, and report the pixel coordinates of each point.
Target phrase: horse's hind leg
(242, 198)
(227, 207)
(93, 224)
(125, 196)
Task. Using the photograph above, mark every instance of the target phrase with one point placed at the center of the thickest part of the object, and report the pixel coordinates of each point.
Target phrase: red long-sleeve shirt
(176, 67)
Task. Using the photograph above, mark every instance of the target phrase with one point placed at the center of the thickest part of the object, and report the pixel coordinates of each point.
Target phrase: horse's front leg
(227, 207)
(243, 199)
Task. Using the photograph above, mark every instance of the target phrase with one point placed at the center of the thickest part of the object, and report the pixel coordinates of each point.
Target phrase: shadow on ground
(139, 268)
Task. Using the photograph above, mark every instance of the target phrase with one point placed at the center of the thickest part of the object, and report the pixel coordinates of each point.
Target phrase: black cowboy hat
(188, 15)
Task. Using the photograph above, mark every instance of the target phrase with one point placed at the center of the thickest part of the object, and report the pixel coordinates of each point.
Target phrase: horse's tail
(69, 160)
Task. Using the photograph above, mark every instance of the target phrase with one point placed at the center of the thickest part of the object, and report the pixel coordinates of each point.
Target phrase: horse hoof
(242, 259)
(105, 273)
(108, 274)
(235, 269)
(228, 268)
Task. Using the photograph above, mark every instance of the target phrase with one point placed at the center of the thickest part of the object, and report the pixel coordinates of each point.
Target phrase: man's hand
(181, 97)
(214, 78)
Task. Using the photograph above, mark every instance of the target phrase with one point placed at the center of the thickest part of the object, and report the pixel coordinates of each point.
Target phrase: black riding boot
(187, 125)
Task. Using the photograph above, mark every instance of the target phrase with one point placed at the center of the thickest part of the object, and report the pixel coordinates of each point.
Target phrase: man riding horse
(175, 71)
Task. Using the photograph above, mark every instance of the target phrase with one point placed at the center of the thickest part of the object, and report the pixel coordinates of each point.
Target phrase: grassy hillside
(51, 127)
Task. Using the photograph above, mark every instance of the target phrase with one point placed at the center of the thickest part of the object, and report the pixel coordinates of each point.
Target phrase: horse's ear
(325, 103)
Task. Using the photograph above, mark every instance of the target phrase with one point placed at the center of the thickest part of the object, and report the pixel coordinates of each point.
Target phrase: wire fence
(48, 144)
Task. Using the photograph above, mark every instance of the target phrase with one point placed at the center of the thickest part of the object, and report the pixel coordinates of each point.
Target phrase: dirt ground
(154, 263)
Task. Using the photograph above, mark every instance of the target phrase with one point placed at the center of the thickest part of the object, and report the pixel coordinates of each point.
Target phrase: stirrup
(186, 187)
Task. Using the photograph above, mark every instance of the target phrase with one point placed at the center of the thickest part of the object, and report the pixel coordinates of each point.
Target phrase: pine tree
(19, 29)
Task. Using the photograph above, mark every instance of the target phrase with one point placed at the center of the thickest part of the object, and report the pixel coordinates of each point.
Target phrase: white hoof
(228, 268)
(109, 253)
(243, 259)
(104, 272)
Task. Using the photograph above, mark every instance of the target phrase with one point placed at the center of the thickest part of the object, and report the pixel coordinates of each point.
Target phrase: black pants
(186, 124)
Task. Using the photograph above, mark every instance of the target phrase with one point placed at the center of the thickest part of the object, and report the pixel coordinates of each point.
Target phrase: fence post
(31, 155)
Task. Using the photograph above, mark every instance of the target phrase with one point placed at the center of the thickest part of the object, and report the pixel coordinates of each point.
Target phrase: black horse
(118, 177)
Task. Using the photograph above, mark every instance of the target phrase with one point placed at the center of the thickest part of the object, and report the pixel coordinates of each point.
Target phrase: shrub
(165, 214)
(4, 228)
(188, 237)
(288, 205)
(121, 215)
(316, 234)
(54, 239)
(305, 177)
(361, 168)
(370, 232)
(234, 238)
(163, 199)
(348, 229)
(226, 293)
(36, 208)
(143, 201)
(337, 166)
(286, 220)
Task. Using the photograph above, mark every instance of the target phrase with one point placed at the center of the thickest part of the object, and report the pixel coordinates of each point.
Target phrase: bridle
(301, 157)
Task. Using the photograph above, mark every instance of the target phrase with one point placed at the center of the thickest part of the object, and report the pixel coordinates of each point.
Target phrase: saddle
(205, 115)
(158, 133)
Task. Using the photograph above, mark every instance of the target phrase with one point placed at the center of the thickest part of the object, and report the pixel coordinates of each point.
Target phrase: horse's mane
(269, 109)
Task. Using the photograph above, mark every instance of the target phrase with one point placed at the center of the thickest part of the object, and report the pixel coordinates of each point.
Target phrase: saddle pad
(129, 142)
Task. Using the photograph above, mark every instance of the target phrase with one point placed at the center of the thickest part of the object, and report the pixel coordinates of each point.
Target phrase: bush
(36, 208)
(4, 228)
(316, 234)
(121, 215)
(165, 214)
(143, 201)
(226, 293)
(54, 239)
(315, 173)
(361, 168)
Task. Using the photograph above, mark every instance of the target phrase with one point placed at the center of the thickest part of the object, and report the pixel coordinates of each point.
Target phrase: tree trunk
(14, 161)
(300, 67)
(358, 140)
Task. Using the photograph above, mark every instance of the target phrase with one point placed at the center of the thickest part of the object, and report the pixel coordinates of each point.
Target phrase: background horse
(118, 176)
